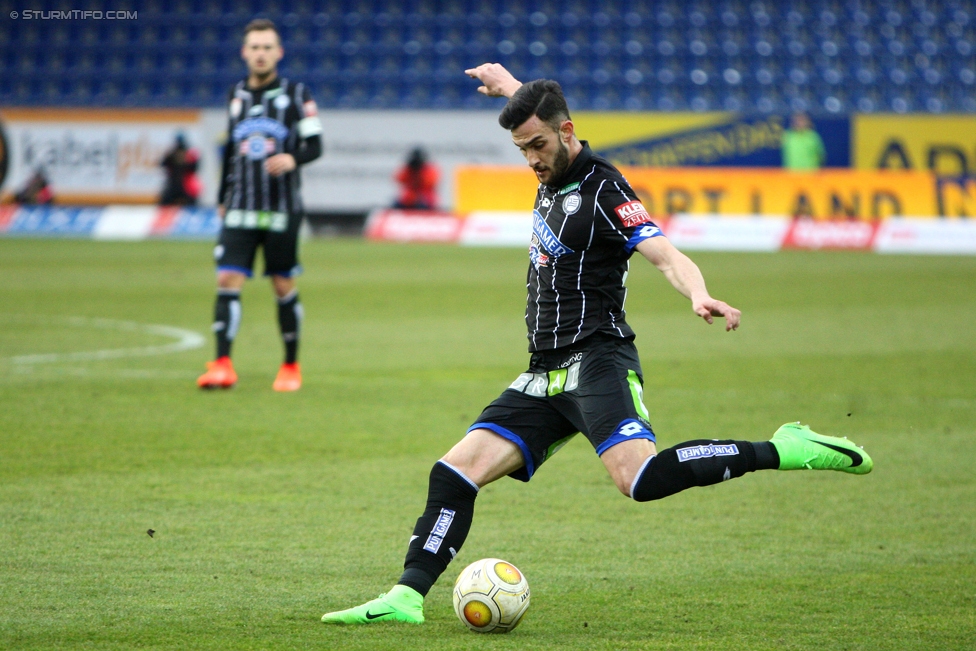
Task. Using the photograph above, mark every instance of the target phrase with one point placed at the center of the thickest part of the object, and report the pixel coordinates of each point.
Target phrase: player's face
(545, 150)
(261, 52)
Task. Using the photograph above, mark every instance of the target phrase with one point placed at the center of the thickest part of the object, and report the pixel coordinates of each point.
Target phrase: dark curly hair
(542, 97)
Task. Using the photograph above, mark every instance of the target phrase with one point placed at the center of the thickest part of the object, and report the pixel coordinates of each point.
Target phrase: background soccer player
(584, 374)
(273, 128)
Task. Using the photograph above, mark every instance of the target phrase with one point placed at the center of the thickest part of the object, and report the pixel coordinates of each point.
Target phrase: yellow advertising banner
(824, 194)
(943, 144)
(607, 129)
(685, 139)
(860, 194)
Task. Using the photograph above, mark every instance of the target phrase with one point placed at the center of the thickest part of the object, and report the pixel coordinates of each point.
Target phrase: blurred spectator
(418, 183)
(37, 190)
(182, 186)
(803, 149)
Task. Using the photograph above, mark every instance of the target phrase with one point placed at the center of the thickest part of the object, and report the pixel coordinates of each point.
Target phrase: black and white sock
(227, 319)
(290, 323)
(700, 463)
(441, 530)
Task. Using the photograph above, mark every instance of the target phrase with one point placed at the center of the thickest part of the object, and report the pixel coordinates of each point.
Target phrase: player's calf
(227, 319)
(442, 529)
(290, 315)
(699, 463)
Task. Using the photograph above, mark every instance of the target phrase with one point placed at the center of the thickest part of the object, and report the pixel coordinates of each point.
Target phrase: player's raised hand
(498, 82)
(708, 307)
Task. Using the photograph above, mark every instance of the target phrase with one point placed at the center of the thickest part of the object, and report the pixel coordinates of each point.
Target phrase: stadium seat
(750, 56)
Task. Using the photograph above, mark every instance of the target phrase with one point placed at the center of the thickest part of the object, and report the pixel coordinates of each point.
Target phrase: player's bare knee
(484, 456)
(282, 285)
(623, 479)
(230, 280)
(623, 487)
(625, 461)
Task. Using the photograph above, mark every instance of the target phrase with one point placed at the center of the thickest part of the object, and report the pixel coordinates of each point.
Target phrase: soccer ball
(490, 596)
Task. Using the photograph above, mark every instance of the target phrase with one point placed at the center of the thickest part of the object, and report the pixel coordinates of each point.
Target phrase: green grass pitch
(271, 509)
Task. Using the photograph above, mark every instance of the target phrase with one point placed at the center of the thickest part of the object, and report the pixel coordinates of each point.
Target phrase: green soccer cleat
(401, 604)
(800, 447)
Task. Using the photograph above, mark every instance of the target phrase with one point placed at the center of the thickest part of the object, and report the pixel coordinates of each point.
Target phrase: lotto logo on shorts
(706, 451)
(632, 214)
(437, 534)
(630, 428)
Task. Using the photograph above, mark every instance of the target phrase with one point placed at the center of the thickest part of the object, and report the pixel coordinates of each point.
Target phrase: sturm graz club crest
(572, 203)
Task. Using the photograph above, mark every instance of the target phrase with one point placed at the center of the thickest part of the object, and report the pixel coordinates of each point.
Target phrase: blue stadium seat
(830, 56)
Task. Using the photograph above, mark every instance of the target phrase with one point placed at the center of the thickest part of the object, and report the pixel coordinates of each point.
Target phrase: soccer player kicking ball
(584, 374)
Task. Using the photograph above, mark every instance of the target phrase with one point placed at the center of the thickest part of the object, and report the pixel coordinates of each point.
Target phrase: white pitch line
(185, 340)
(28, 372)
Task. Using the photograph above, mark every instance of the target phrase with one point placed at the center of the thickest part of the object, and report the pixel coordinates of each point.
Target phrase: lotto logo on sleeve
(632, 214)
(706, 451)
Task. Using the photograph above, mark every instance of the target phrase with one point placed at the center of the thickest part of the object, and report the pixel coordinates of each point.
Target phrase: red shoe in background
(289, 378)
(220, 375)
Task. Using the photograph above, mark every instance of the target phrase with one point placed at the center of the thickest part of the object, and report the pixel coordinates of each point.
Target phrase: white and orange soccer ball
(490, 596)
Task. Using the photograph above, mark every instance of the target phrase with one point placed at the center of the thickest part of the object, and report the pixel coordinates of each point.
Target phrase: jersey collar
(274, 83)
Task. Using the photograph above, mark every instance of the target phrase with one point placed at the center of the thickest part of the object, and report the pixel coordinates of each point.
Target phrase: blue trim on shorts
(514, 438)
(639, 431)
(241, 270)
(291, 273)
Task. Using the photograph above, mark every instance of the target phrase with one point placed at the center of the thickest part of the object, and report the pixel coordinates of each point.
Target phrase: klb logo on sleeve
(632, 214)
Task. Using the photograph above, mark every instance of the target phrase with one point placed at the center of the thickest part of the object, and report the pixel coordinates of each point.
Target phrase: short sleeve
(625, 216)
(309, 123)
(234, 104)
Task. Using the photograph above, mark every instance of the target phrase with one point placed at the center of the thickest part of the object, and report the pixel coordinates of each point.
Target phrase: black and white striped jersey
(583, 233)
(278, 118)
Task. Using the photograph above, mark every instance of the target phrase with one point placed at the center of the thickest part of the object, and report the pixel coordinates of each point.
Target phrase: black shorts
(594, 387)
(276, 233)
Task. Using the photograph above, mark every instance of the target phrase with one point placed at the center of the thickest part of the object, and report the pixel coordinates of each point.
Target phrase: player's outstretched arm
(498, 82)
(685, 276)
